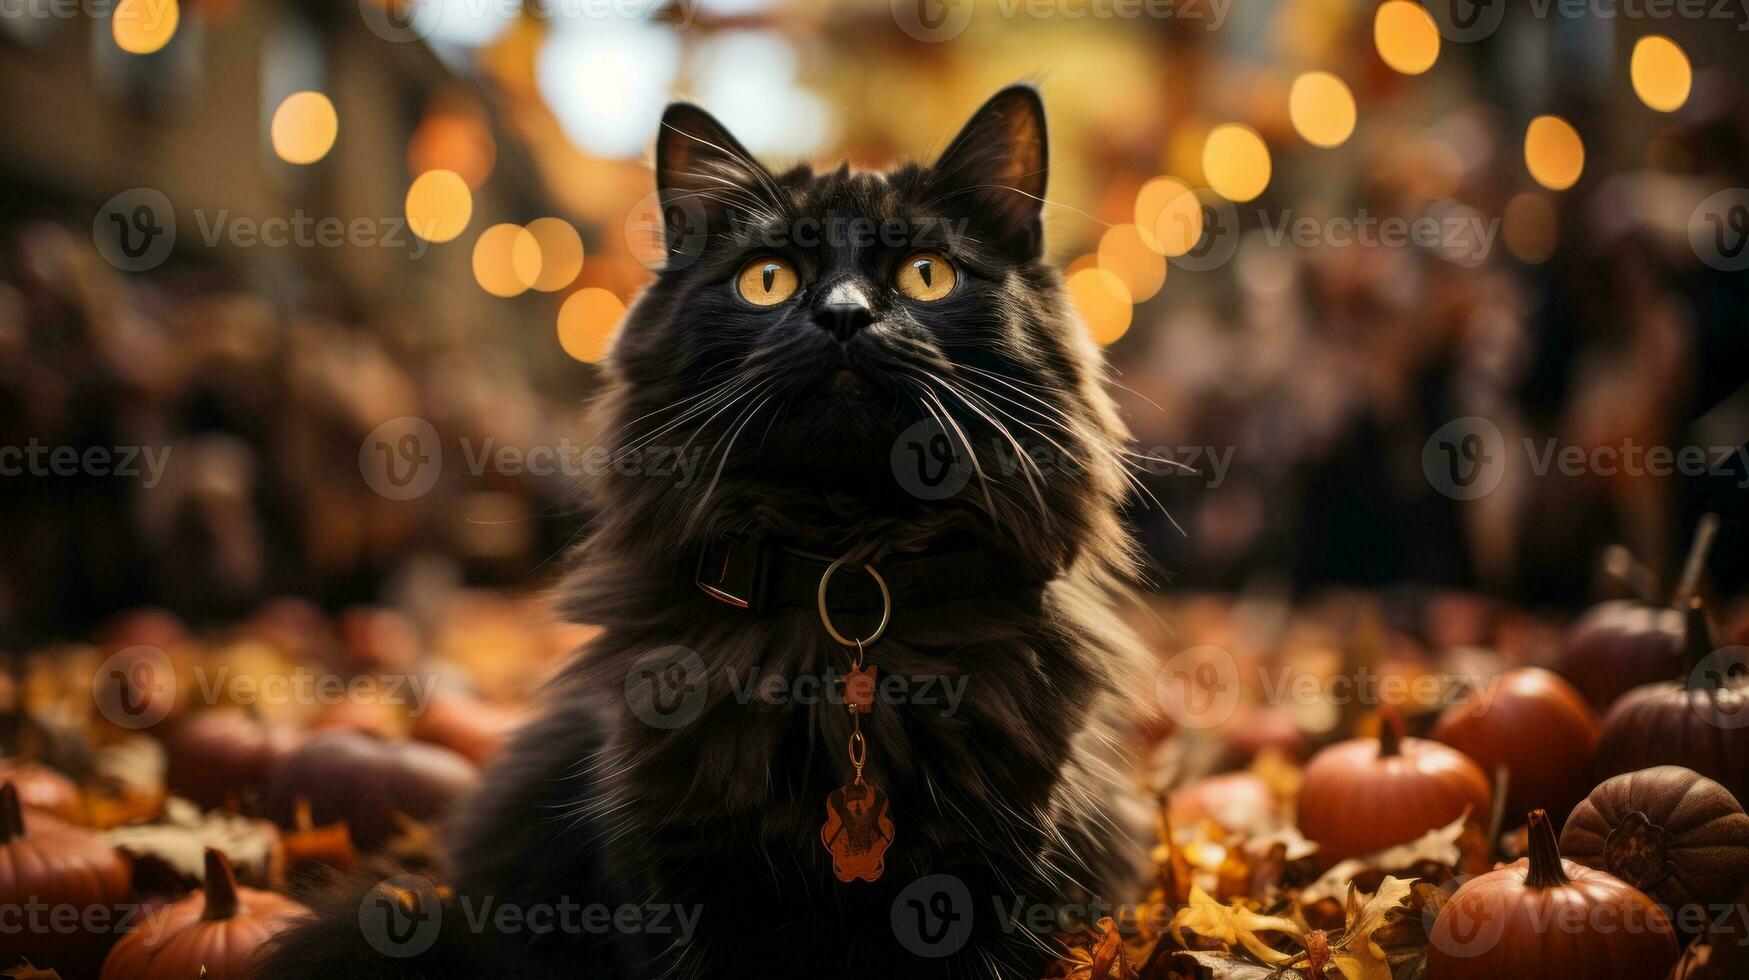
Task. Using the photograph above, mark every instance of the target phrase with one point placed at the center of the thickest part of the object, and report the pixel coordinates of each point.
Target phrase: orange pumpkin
(58, 866)
(475, 728)
(1367, 794)
(1544, 917)
(1538, 727)
(42, 788)
(213, 933)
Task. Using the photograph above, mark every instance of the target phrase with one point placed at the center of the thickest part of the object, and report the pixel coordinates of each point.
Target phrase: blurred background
(1314, 235)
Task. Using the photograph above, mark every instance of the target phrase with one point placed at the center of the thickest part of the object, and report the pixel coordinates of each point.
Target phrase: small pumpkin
(475, 728)
(1237, 801)
(213, 933)
(1621, 644)
(52, 864)
(1538, 727)
(363, 780)
(1542, 916)
(42, 788)
(1698, 724)
(1367, 794)
(1670, 832)
(216, 755)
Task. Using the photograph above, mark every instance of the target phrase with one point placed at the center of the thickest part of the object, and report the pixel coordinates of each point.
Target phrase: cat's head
(844, 347)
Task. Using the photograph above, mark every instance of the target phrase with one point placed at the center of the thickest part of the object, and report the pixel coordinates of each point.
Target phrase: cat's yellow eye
(926, 276)
(767, 281)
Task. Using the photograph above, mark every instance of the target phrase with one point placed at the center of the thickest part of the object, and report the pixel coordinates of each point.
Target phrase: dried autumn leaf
(1440, 846)
(1356, 954)
(180, 840)
(1233, 925)
(26, 971)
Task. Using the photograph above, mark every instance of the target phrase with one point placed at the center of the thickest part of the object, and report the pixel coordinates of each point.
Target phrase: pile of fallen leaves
(1253, 905)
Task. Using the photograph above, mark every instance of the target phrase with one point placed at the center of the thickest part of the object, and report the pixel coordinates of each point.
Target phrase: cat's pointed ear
(703, 176)
(995, 169)
(695, 155)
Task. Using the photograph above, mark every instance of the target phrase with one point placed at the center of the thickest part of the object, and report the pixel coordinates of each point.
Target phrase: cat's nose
(843, 320)
(843, 311)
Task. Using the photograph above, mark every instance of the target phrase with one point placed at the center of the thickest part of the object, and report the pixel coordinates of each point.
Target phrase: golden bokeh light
(1661, 73)
(144, 26)
(1406, 36)
(587, 322)
(1168, 216)
(1236, 161)
(507, 260)
(439, 205)
(1104, 302)
(1322, 109)
(1553, 152)
(1529, 227)
(1124, 253)
(561, 253)
(304, 127)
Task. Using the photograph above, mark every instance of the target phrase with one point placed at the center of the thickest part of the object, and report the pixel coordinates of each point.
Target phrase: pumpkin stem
(1621, 576)
(1545, 854)
(1699, 639)
(11, 814)
(1695, 566)
(220, 888)
(1390, 732)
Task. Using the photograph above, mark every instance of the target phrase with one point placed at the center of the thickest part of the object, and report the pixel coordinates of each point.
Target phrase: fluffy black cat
(878, 366)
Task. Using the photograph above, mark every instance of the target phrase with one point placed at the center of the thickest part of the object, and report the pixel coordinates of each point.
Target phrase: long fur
(1016, 793)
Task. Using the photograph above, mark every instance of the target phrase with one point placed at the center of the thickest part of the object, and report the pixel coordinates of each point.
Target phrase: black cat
(874, 366)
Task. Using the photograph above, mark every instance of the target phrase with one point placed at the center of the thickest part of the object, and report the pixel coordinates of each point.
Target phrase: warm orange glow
(1661, 73)
(1236, 162)
(1407, 37)
(507, 260)
(1168, 216)
(587, 323)
(1104, 303)
(561, 253)
(1322, 109)
(304, 127)
(1529, 227)
(144, 26)
(1124, 253)
(455, 140)
(1553, 152)
(439, 205)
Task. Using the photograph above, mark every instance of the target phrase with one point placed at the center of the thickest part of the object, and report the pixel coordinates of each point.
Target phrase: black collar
(761, 575)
